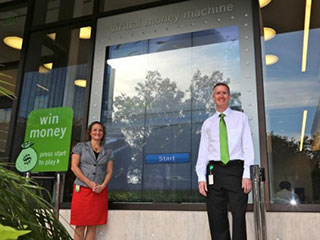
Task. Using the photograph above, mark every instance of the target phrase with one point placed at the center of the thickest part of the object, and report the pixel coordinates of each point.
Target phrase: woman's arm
(79, 174)
(99, 188)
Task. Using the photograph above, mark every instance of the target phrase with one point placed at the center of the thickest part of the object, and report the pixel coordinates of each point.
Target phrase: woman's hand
(99, 188)
(92, 185)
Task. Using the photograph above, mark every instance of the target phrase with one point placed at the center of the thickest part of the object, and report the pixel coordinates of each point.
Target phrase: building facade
(146, 69)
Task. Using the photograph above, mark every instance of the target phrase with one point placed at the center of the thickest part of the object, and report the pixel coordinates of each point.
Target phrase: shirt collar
(88, 144)
(226, 112)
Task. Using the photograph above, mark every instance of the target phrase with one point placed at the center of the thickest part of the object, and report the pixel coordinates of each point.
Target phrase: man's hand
(246, 185)
(203, 188)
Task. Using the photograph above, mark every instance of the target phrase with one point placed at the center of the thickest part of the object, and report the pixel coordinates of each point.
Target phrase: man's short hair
(221, 84)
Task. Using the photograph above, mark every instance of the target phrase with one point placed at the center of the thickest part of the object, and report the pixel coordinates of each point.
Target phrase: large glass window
(292, 102)
(108, 5)
(48, 11)
(11, 36)
(56, 73)
(157, 93)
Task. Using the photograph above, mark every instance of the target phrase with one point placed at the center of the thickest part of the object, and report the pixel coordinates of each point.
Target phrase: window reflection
(292, 107)
(108, 5)
(55, 62)
(49, 11)
(157, 93)
(11, 28)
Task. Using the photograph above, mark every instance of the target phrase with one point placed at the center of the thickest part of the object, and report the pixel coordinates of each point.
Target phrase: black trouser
(227, 188)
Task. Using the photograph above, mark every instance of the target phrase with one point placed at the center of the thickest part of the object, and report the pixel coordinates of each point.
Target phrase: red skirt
(89, 208)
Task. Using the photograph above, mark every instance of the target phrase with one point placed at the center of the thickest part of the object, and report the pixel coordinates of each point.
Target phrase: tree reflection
(201, 89)
(158, 101)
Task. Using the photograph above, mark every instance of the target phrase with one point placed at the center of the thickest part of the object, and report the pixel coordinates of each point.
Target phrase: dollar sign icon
(27, 158)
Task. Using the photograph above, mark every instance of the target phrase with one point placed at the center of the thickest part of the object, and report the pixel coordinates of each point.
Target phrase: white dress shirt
(239, 141)
(286, 197)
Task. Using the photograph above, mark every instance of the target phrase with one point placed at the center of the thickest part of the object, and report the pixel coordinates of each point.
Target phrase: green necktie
(224, 151)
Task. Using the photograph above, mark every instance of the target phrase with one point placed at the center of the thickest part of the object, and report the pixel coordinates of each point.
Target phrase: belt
(230, 163)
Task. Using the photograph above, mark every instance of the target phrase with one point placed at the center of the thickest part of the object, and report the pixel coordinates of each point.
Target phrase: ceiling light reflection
(306, 35)
(52, 36)
(42, 69)
(48, 65)
(264, 3)
(303, 129)
(85, 33)
(13, 42)
(269, 33)
(80, 82)
(271, 59)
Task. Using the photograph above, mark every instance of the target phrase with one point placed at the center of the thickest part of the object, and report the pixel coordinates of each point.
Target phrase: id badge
(210, 176)
(210, 179)
(77, 188)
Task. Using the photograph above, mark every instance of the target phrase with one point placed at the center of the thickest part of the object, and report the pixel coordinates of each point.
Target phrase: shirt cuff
(202, 179)
(246, 172)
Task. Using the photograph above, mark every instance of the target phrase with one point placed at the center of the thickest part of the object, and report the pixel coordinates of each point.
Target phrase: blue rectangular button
(168, 158)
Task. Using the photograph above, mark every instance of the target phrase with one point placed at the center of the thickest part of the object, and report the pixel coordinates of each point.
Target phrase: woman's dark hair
(90, 128)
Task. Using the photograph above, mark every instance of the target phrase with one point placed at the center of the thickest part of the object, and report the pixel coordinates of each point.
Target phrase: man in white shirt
(286, 195)
(225, 177)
